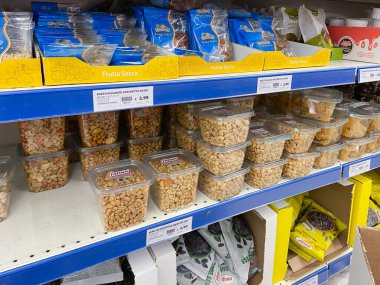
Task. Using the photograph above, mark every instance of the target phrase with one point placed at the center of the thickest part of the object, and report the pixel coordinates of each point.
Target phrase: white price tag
(274, 84)
(169, 230)
(122, 98)
(312, 281)
(369, 75)
(359, 168)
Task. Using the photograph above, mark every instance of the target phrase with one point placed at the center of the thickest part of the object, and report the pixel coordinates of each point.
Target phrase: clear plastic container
(42, 135)
(345, 104)
(373, 110)
(176, 174)
(144, 122)
(99, 128)
(248, 101)
(222, 187)
(328, 155)
(262, 175)
(319, 103)
(186, 139)
(283, 102)
(98, 155)
(374, 145)
(6, 175)
(355, 148)
(358, 122)
(299, 165)
(224, 125)
(186, 114)
(171, 143)
(46, 171)
(122, 190)
(221, 160)
(302, 133)
(267, 144)
(137, 148)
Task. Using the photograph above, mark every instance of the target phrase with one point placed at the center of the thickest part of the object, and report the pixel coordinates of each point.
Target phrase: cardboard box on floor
(365, 263)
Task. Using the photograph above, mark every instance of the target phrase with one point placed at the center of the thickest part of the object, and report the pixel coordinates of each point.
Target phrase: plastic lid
(96, 148)
(368, 108)
(323, 94)
(359, 111)
(346, 103)
(328, 148)
(336, 120)
(184, 130)
(63, 152)
(358, 142)
(222, 149)
(143, 140)
(296, 124)
(197, 105)
(119, 176)
(356, 22)
(262, 131)
(301, 155)
(271, 164)
(173, 162)
(374, 135)
(337, 22)
(226, 112)
(241, 98)
(229, 176)
(6, 169)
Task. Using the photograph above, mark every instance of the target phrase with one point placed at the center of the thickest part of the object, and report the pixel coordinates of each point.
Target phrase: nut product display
(42, 135)
(99, 128)
(263, 175)
(373, 145)
(222, 187)
(186, 114)
(122, 190)
(283, 102)
(171, 128)
(221, 160)
(98, 155)
(72, 139)
(176, 178)
(374, 110)
(302, 133)
(355, 148)
(6, 175)
(249, 101)
(358, 122)
(224, 125)
(328, 155)
(171, 143)
(137, 148)
(299, 165)
(186, 139)
(144, 122)
(267, 144)
(319, 103)
(46, 171)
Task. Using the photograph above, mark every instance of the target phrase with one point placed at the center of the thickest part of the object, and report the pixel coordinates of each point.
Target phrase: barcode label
(274, 84)
(369, 75)
(126, 99)
(312, 281)
(169, 231)
(359, 168)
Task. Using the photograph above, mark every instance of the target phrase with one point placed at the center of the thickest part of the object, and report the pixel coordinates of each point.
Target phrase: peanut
(137, 150)
(298, 167)
(186, 139)
(262, 177)
(261, 151)
(145, 122)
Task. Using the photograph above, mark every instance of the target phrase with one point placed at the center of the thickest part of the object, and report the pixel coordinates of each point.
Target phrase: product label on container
(312, 281)
(170, 160)
(369, 75)
(274, 84)
(168, 231)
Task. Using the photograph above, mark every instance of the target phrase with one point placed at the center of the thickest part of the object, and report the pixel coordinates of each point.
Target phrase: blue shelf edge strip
(322, 274)
(337, 265)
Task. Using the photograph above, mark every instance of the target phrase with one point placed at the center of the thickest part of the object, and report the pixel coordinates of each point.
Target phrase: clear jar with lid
(374, 145)
(144, 122)
(299, 165)
(246, 101)
(283, 102)
(358, 122)
(355, 148)
(328, 155)
(137, 148)
(186, 139)
(262, 175)
(186, 113)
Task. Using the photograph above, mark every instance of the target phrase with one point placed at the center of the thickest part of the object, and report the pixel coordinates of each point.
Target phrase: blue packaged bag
(126, 55)
(179, 5)
(138, 12)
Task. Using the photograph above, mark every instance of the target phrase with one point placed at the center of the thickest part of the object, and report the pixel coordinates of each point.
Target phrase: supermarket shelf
(32, 103)
(364, 164)
(368, 72)
(54, 233)
(340, 263)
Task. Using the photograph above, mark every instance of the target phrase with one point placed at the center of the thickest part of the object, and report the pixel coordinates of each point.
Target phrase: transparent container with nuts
(328, 155)
(186, 139)
(222, 187)
(171, 143)
(374, 145)
(98, 155)
(122, 190)
(99, 128)
(176, 174)
(262, 175)
(221, 160)
(144, 122)
(42, 135)
(137, 148)
(6, 175)
(319, 103)
(187, 116)
(283, 102)
(345, 104)
(358, 122)
(248, 101)
(355, 148)
(374, 110)
(267, 144)
(171, 128)
(299, 165)
(46, 171)
(224, 125)
(302, 133)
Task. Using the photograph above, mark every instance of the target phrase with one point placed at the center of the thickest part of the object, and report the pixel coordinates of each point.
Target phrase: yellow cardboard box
(20, 72)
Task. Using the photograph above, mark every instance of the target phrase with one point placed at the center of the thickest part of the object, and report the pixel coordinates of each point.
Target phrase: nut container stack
(6, 175)
(283, 102)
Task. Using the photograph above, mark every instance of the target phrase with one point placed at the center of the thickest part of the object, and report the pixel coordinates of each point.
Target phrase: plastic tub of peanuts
(374, 145)
(358, 122)
(302, 133)
(122, 190)
(299, 165)
(248, 101)
(176, 178)
(186, 113)
(46, 171)
(224, 125)
(319, 103)
(267, 144)
(355, 148)
(99, 128)
(222, 187)
(262, 175)
(144, 122)
(283, 102)
(221, 160)
(137, 148)
(42, 135)
(327, 155)
(6, 175)
(374, 110)
(186, 139)
(97, 155)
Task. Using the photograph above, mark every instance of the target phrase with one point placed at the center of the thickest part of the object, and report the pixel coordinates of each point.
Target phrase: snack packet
(289, 18)
(373, 218)
(185, 276)
(182, 256)
(179, 5)
(279, 28)
(296, 203)
(227, 275)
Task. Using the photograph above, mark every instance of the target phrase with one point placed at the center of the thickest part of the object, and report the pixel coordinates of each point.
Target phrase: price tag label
(369, 75)
(312, 281)
(274, 84)
(122, 98)
(169, 230)
(359, 168)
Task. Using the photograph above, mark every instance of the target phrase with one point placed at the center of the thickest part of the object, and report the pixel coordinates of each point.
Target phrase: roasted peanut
(186, 139)
(145, 122)
(298, 167)
(261, 177)
(261, 151)
(139, 147)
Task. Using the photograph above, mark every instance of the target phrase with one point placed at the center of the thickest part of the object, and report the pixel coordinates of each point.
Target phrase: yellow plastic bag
(373, 217)
(296, 203)
(316, 231)
(375, 191)
(299, 252)
(306, 203)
